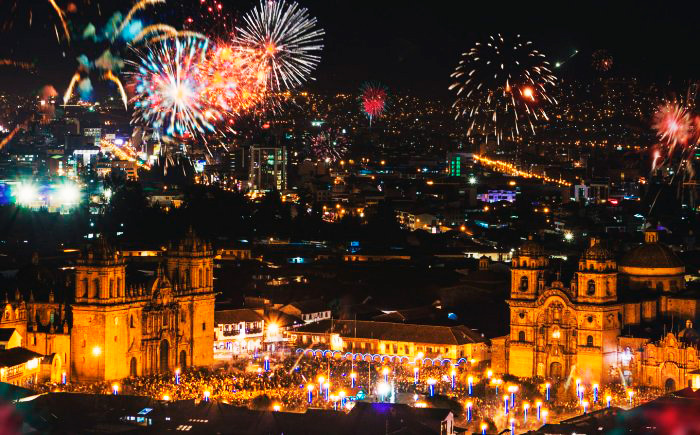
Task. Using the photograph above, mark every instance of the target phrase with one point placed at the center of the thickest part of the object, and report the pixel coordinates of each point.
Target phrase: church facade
(119, 330)
(112, 327)
(603, 326)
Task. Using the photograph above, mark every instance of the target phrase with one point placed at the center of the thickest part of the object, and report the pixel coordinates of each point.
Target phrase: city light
(68, 194)
(26, 194)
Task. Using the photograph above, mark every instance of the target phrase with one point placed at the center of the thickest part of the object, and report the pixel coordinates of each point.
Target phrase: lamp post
(483, 428)
(609, 400)
(595, 393)
(353, 378)
(310, 389)
(512, 426)
(469, 411)
(431, 385)
(415, 375)
(630, 393)
(321, 379)
(96, 352)
(505, 404)
(385, 372)
(453, 377)
(584, 404)
(177, 376)
(547, 387)
(470, 384)
(206, 395)
(512, 390)
(545, 413)
(526, 406)
(539, 410)
(115, 389)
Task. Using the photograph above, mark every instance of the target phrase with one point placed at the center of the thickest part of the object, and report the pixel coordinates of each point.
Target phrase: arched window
(183, 360)
(132, 367)
(111, 287)
(131, 321)
(521, 336)
(523, 284)
(589, 341)
(119, 287)
(201, 281)
(660, 286)
(86, 288)
(524, 263)
(591, 288)
(96, 288)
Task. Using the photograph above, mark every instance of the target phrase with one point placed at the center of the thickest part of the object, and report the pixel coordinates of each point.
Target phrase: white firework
(287, 39)
(502, 84)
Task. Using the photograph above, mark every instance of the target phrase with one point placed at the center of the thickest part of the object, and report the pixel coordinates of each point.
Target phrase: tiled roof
(236, 316)
(16, 356)
(445, 335)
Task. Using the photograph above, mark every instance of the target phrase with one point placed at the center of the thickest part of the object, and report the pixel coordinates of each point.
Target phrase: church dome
(597, 252)
(652, 254)
(531, 249)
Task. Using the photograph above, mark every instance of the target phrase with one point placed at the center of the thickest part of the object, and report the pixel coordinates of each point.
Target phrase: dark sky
(414, 45)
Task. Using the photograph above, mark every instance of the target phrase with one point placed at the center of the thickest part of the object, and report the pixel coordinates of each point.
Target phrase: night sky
(412, 46)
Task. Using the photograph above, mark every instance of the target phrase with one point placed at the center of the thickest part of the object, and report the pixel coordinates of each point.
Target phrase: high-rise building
(268, 168)
(459, 164)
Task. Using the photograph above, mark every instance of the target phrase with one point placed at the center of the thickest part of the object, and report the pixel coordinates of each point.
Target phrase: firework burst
(502, 84)
(169, 92)
(329, 145)
(673, 125)
(602, 60)
(373, 100)
(236, 80)
(286, 39)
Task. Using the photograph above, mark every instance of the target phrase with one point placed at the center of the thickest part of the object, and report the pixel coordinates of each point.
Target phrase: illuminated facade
(121, 330)
(268, 168)
(588, 330)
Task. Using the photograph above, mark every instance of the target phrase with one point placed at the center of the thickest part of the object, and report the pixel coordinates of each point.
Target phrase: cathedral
(614, 321)
(113, 326)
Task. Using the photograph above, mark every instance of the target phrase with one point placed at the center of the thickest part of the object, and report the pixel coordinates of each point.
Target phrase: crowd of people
(285, 386)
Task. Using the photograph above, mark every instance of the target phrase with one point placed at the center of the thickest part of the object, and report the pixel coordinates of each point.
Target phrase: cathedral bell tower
(99, 335)
(596, 279)
(527, 271)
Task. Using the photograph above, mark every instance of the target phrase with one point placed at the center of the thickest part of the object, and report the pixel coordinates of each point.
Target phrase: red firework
(673, 125)
(373, 100)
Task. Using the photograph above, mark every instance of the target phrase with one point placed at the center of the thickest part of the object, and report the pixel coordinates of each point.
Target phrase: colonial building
(605, 325)
(393, 339)
(121, 330)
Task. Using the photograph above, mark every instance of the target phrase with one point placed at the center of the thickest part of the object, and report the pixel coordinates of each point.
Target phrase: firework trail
(137, 7)
(287, 40)
(28, 66)
(501, 84)
(61, 17)
(162, 29)
(111, 77)
(373, 100)
(69, 91)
